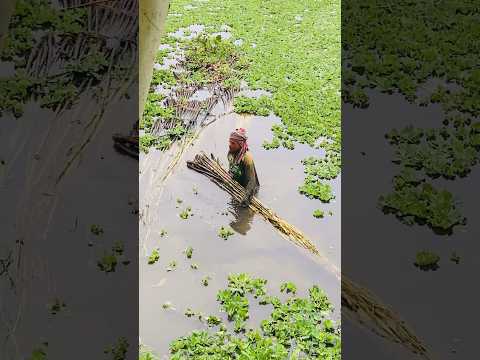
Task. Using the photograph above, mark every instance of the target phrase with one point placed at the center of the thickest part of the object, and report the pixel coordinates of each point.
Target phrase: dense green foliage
(298, 328)
(413, 199)
(426, 260)
(246, 105)
(406, 47)
(208, 60)
(444, 151)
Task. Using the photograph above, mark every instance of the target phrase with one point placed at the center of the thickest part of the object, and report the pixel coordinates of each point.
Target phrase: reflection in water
(243, 217)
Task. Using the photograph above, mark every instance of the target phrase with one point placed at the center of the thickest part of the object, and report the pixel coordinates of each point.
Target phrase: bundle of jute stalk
(358, 304)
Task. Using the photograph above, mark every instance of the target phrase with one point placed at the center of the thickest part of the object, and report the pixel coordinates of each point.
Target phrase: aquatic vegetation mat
(208, 64)
(358, 303)
(298, 326)
(269, 39)
(415, 200)
(415, 55)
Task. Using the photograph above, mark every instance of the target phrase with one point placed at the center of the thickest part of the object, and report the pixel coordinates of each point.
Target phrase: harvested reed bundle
(361, 306)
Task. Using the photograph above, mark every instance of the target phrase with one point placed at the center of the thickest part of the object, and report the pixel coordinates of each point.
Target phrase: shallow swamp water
(256, 247)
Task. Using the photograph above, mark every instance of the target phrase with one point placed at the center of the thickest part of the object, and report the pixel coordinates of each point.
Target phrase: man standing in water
(241, 166)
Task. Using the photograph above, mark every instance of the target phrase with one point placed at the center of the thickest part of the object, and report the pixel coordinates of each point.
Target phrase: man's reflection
(243, 217)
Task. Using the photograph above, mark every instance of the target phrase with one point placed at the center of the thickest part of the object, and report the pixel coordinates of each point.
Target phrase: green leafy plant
(288, 287)
(154, 257)
(119, 350)
(315, 189)
(189, 252)
(426, 260)
(299, 326)
(318, 214)
(225, 232)
(261, 106)
(107, 263)
(186, 213)
(415, 200)
(96, 230)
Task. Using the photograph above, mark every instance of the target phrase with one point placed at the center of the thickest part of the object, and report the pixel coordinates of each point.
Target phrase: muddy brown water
(256, 247)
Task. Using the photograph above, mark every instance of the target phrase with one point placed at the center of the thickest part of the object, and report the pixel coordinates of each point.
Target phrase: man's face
(233, 146)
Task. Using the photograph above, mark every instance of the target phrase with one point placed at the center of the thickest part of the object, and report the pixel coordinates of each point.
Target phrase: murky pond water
(256, 248)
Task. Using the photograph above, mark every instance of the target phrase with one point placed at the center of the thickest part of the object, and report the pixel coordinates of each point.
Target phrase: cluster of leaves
(325, 168)
(39, 353)
(109, 261)
(234, 301)
(189, 252)
(449, 151)
(415, 200)
(96, 229)
(296, 329)
(319, 214)
(300, 319)
(154, 257)
(445, 151)
(31, 19)
(426, 260)
(185, 214)
(261, 106)
(315, 189)
(225, 232)
(210, 59)
(288, 287)
(119, 350)
(413, 43)
(31, 16)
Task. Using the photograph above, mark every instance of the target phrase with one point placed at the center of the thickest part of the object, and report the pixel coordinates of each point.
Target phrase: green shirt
(244, 173)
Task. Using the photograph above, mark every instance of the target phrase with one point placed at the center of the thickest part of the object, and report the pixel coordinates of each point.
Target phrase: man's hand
(246, 201)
